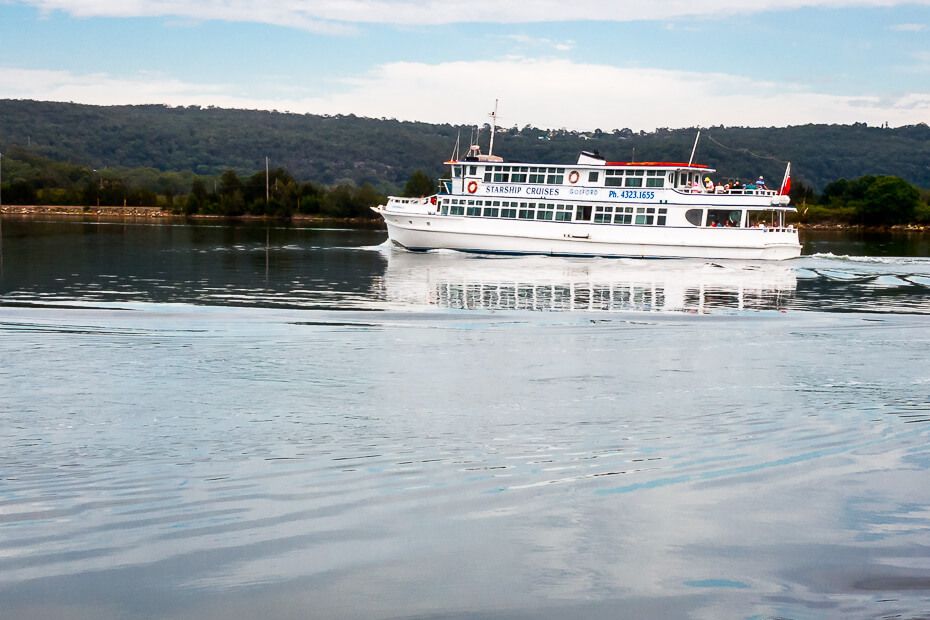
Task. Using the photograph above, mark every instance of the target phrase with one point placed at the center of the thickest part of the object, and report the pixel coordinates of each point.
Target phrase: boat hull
(496, 236)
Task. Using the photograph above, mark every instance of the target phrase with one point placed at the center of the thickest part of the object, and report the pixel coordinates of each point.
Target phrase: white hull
(417, 231)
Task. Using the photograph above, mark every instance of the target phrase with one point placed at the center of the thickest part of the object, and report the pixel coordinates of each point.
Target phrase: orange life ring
(472, 187)
(573, 177)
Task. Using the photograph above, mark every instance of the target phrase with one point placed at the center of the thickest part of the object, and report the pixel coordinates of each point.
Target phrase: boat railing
(766, 229)
(720, 190)
(408, 201)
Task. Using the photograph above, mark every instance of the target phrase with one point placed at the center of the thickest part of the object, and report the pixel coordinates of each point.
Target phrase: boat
(594, 208)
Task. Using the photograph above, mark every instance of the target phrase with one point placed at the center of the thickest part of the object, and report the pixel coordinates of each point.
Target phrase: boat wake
(880, 260)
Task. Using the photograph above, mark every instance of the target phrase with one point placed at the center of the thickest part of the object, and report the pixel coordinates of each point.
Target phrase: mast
(493, 128)
(455, 149)
(694, 148)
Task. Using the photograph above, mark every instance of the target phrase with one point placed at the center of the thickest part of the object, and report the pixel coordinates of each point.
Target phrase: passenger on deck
(736, 185)
(760, 182)
(708, 185)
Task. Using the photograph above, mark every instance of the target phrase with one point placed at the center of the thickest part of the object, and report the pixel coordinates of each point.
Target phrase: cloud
(529, 41)
(333, 16)
(909, 27)
(101, 88)
(546, 93)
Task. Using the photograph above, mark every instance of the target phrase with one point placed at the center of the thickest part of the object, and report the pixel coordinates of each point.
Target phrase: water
(214, 421)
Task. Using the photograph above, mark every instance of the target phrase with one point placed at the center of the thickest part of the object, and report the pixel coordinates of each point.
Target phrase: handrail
(718, 191)
(408, 201)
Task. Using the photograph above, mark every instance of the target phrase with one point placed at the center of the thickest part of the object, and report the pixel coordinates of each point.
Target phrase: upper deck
(592, 178)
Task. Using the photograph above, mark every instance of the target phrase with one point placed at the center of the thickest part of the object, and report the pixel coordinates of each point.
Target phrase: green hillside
(347, 149)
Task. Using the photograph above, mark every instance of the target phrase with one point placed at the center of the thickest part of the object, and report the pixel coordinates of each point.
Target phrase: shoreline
(157, 213)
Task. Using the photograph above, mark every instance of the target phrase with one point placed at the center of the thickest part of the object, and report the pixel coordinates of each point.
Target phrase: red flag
(786, 184)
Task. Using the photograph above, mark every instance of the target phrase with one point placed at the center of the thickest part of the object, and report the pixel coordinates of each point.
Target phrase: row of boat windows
(635, 178)
(556, 176)
(524, 174)
(599, 214)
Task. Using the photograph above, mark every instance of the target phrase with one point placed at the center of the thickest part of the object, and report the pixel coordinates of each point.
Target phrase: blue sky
(582, 65)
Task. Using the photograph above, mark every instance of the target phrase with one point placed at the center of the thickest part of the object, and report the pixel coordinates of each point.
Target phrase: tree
(231, 195)
(801, 193)
(888, 200)
(197, 199)
(419, 184)
(20, 192)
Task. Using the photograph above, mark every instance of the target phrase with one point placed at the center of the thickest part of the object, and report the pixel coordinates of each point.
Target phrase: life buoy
(472, 187)
(573, 177)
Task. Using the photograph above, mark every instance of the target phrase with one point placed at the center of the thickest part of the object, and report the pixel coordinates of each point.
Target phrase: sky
(579, 65)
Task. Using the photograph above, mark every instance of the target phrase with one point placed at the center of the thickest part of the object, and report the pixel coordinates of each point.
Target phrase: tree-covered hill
(383, 152)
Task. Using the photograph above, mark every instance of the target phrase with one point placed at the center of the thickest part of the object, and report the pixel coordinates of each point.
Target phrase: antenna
(694, 148)
(493, 116)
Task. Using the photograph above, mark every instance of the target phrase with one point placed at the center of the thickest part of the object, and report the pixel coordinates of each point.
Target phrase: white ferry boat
(594, 207)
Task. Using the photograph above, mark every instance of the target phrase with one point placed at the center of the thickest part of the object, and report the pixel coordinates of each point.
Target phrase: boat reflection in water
(453, 280)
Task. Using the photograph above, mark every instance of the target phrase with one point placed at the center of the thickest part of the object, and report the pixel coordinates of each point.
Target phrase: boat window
(603, 215)
(717, 218)
(563, 213)
(491, 212)
(518, 177)
(510, 213)
(456, 171)
(545, 212)
(456, 210)
(623, 215)
(645, 216)
(526, 214)
(473, 171)
(634, 181)
(556, 177)
(694, 216)
(655, 178)
(473, 211)
(487, 175)
(661, 217)
(592, 176)
(537, 175)
(583, 213)
(613, 178)
(444, 210)
(682, 179)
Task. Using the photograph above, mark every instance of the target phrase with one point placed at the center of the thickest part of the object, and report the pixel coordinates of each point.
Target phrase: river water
(239, 422)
